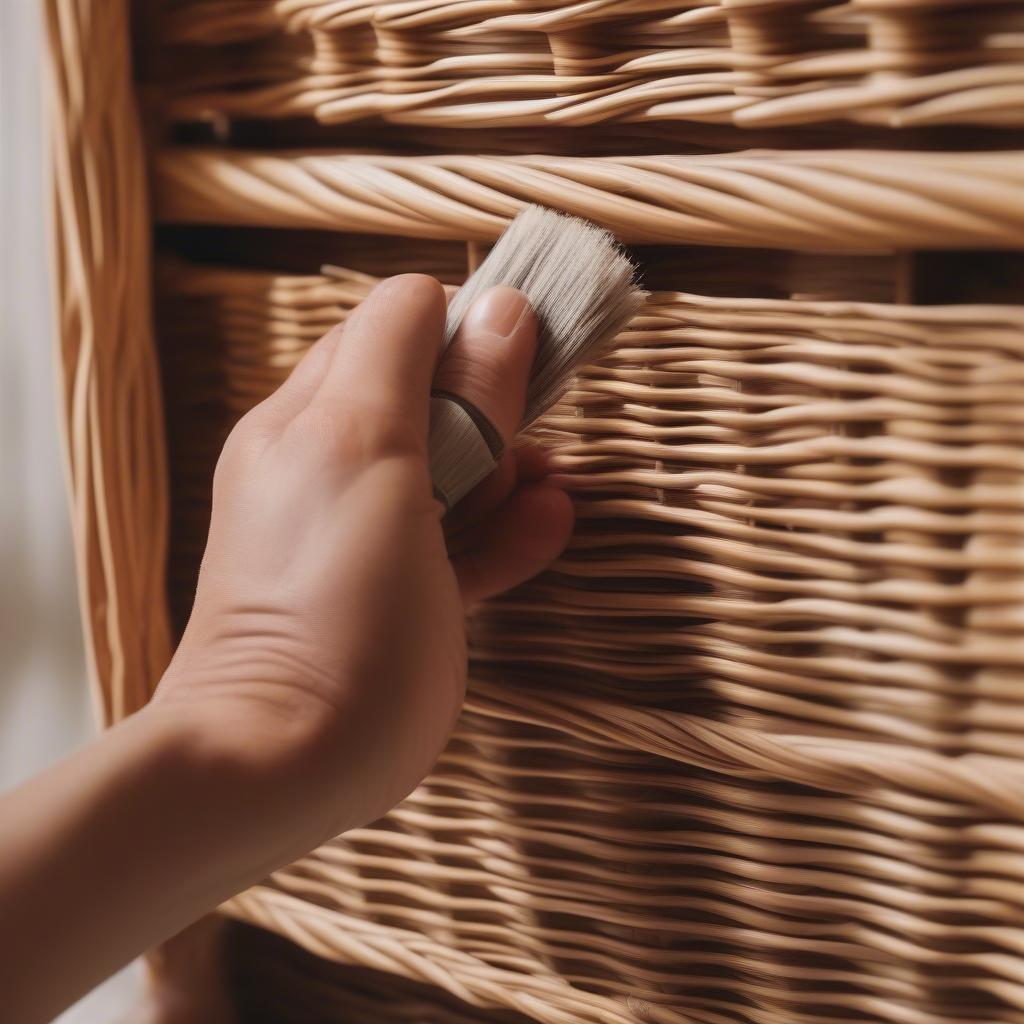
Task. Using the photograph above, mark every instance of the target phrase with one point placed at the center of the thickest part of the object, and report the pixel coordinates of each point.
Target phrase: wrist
(145, 829)
(208, 801)
(255, 763)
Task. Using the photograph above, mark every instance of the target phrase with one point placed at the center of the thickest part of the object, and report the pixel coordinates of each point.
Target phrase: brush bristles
(580, 283)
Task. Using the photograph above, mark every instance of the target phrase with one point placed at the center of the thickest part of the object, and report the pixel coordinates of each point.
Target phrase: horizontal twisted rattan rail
(812, 200)
(752, 718)
(480, 62)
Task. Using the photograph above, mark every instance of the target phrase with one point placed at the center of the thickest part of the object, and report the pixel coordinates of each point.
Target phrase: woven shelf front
(789, 617)
(750, 752)
(467, 64)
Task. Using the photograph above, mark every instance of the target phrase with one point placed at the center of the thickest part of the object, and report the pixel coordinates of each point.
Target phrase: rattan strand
(474, 63)
(273, 979)
(844, 200)
(522, 880)
(752, 718)
(112, 419)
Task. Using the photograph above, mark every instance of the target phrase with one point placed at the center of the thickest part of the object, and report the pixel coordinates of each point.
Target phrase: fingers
(275, 412)
(525, 463)
(488, 361)
(382, 359)
(385, 360)
(481, 501)
(383, 354)
(523, 537)
(511, 529)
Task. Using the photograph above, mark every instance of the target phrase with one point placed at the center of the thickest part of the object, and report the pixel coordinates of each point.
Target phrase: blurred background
(44, 696)
(45, 703)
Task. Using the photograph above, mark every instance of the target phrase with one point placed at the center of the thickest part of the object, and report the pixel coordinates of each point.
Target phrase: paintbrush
(582, 287)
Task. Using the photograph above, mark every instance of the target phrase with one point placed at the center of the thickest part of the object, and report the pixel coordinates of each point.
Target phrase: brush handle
(464, 447)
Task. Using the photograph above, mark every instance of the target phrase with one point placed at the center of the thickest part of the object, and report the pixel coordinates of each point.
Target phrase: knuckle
(387, 432)
(411, 291)
(476, 378)
(357, 434)
(317, 427)
(240, 452)
(244, 442)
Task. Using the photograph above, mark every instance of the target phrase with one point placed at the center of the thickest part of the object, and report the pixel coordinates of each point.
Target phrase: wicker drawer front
(753, 740)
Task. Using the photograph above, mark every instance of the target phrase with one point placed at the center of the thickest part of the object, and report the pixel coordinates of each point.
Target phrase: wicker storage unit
(753, 750)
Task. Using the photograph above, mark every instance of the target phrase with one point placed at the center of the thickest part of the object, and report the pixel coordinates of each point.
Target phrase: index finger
(385, 358)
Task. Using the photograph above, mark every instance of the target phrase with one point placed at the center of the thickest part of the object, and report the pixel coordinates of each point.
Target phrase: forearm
(115, 849)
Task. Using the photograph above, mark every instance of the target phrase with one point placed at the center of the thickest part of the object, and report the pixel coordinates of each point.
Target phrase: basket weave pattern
(751, 751)
(472, 62)
(780, 661)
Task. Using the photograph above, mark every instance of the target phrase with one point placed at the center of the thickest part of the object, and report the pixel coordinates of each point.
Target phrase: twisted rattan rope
(278, 978)
(816, 200)
(352, 882)
(342, 880)
(549, 999)
(330, 883)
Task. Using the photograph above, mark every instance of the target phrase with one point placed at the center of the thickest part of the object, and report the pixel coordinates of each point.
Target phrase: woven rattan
(833, 562)
(751, 752)
(472, 62)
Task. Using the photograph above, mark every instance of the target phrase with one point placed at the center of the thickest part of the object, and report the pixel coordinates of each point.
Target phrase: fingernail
(498, 312)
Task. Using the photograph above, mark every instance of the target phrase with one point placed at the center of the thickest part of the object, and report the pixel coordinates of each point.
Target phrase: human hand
(324, 663)
(326, 649)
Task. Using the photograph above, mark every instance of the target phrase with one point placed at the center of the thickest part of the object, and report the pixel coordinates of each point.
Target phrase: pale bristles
(582, 288)
(580, 283)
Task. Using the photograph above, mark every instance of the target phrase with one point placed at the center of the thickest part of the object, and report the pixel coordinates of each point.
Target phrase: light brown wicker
(831, 200)
(473, 62)
(111, 388)
(752, 750)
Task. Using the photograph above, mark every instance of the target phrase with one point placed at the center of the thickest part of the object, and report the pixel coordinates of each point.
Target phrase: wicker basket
(752, 750)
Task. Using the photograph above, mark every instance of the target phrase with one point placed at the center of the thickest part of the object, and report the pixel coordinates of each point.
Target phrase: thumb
(488, 361)
(484, 371)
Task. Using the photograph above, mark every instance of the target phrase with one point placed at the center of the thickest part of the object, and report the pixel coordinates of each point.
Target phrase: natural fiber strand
(110, 386)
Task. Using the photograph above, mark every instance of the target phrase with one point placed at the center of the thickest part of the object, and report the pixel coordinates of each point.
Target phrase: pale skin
(324, 664)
